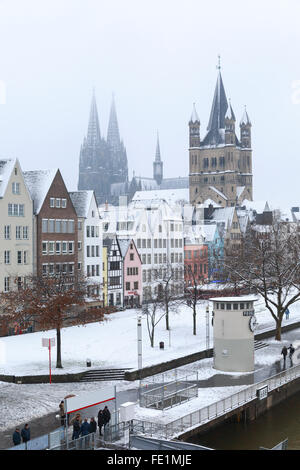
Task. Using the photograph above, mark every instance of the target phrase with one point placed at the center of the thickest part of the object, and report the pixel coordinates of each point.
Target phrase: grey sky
(158, 57)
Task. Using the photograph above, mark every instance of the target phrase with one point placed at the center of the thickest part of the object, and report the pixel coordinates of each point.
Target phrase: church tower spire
(113, 135)
(158, 164)
(93, 134)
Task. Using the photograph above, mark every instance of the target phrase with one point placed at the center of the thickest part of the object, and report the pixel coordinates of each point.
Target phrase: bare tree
(52, 302)
(268, 263)
(191, 293)
(152, 309)
(168, 280)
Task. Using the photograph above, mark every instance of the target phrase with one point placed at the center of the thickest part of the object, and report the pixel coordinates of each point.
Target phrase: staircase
(259, 345)
(97, 375)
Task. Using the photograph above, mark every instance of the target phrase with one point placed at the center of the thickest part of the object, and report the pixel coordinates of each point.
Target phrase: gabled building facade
(89, 240)
(55, 225)
(16, 228)
(114, 271)
(132, 273)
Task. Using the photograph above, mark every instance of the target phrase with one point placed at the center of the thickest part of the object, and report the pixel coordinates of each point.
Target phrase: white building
(16, 228)
(157, 230)
(90, 239)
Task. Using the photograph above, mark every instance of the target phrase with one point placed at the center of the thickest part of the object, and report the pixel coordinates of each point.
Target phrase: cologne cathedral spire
(93, 134)
(113, 135)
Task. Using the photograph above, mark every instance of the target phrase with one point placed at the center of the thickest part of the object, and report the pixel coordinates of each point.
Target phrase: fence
(47, 441)
(210, 412)
(166, 390)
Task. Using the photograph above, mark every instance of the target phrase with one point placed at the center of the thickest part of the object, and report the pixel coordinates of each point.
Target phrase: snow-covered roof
(169, 195)
(124, 245)
(38, 183)
(218, 192)
(6, 168)
(209, 232)
(81, 201)
(224, 214)
(248, 298)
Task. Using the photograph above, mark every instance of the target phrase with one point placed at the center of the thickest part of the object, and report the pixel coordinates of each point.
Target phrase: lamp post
(139, 341)
(207, 328)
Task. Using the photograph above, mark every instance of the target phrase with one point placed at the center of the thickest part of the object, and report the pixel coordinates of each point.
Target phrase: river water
(279, 423)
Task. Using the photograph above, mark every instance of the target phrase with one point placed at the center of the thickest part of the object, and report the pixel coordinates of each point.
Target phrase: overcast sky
(157, 57)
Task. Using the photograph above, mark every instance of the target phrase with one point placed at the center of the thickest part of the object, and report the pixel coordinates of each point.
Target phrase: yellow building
(105, 276)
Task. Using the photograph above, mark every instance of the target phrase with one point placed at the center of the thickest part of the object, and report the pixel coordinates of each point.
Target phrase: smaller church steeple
(229, 125)
(158, 164)
(245, 126)
(194, 125)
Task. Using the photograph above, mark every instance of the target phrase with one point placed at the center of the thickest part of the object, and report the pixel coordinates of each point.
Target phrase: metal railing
(214, 410)
(164, 397)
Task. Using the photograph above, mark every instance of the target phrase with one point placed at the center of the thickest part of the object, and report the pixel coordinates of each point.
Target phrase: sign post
(47, 343)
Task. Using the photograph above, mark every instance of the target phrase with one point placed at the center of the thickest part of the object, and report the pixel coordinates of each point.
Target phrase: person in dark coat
(101, 421)
(62, 413)
(76, 428)
(292, 350)
(284, 352)
(106, 414)
(17, 437)
(93, 425)
(85, 428)
(25, 433)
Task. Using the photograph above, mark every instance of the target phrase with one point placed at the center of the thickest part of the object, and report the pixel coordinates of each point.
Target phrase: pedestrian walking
(292, 350)
(62, 413)
(106, 414)
(25, 433)
(284, 352)
(287, 314)
(93, 425)
(76, 427)
(16, 437)
(101, 421)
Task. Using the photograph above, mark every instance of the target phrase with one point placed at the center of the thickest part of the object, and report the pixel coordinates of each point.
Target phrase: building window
(18, 232)
(51, 226)
(44, 225)
(79, 245)
(16, 188)
(19, 257)
(6, 257)
(6, 284)
(57, 204)
(71, 247)
(16, 210)
(44, 248)
(64, 247)
(136, 285)
(57, 226)
(51, 248)
(79, 266)
(7, 232)
(57, 248)
(127, 285)
(25, 232)
(52, 202)
(131, 256)
(63, 203)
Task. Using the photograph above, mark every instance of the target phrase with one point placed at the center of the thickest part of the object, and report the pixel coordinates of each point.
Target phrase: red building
(195, 264)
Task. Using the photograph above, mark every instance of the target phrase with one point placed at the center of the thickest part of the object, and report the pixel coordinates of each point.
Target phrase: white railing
(217, 409)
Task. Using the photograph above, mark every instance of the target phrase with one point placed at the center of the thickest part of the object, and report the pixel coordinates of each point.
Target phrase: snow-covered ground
(113, 343)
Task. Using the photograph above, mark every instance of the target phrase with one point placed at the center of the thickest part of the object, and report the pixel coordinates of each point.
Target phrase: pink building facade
(132, 274)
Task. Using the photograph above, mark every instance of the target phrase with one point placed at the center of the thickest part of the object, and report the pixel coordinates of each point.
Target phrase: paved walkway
(49, 423)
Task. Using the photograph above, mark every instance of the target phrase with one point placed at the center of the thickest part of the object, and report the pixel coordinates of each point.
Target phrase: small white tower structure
(234, 323)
